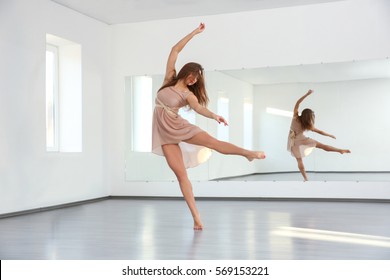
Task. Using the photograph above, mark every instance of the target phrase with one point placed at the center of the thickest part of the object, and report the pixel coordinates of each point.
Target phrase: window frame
(55, 99)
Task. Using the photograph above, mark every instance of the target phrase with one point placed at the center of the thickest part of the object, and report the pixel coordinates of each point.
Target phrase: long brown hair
(199, 88)
(307, 119)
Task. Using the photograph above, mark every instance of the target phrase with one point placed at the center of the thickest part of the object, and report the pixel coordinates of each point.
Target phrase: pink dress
(298, 144)
(170, 128)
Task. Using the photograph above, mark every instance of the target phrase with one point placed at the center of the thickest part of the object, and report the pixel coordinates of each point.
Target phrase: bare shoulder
(190, 96)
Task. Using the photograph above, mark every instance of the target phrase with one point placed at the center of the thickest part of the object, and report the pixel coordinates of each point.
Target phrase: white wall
(356, 112)
(329, 32)
(30, 177)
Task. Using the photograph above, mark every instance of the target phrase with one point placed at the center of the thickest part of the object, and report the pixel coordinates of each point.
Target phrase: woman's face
(191, 79)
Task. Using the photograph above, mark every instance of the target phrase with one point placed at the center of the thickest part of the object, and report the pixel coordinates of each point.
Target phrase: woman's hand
(200, 28)
(220, 119)
(299, 101)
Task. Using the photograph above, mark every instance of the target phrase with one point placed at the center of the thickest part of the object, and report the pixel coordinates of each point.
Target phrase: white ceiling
(129, 11)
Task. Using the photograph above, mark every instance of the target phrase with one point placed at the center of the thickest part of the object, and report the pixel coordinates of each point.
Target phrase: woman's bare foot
(198, 223)
(198, 227)
(345, 151)
(256, 155)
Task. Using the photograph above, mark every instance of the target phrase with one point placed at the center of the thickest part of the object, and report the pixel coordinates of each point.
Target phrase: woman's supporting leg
(204, 139)
(323, 147)
(302, 168)
(331, 149)
(174, 158)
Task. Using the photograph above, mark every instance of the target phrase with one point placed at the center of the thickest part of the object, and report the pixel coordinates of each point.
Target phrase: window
(63, 95)
(223, 110)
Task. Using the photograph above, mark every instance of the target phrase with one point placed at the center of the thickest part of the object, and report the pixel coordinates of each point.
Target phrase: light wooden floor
(130, 229)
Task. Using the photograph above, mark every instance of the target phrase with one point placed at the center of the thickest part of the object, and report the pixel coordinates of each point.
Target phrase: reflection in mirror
(351, 101)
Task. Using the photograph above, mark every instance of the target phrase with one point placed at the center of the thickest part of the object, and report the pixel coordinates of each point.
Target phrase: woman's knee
(181, 174)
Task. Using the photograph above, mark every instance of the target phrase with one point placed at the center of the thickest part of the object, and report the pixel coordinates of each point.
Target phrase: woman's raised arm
(296, 107)
(170, 71)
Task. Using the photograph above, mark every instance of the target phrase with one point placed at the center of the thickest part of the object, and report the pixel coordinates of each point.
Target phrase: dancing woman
(182, 143)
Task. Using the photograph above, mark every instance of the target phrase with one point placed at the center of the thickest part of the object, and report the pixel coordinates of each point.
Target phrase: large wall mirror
(351, 100)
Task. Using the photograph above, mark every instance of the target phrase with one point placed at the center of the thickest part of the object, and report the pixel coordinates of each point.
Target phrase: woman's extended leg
(331, 149)
(204, 139)
(174, 158)
(302, 168)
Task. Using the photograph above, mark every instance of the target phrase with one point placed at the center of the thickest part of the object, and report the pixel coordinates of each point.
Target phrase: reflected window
(248, 125)
(188, 114)
(142, 106)
(223, 110)
(141, 90)
(279, 112)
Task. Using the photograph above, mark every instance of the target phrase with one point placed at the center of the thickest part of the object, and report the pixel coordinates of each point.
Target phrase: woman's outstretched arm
(296, 107)
(194, 104)
(170, 71)
(323, 133)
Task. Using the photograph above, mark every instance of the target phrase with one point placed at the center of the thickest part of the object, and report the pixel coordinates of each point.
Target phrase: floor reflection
(333, 236)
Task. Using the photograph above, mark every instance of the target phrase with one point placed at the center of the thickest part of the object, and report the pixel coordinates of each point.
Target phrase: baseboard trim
(54, 207)
(71, 204)
(304, 199)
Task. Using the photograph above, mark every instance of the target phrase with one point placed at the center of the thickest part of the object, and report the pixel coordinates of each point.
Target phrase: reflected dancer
(301, 146)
